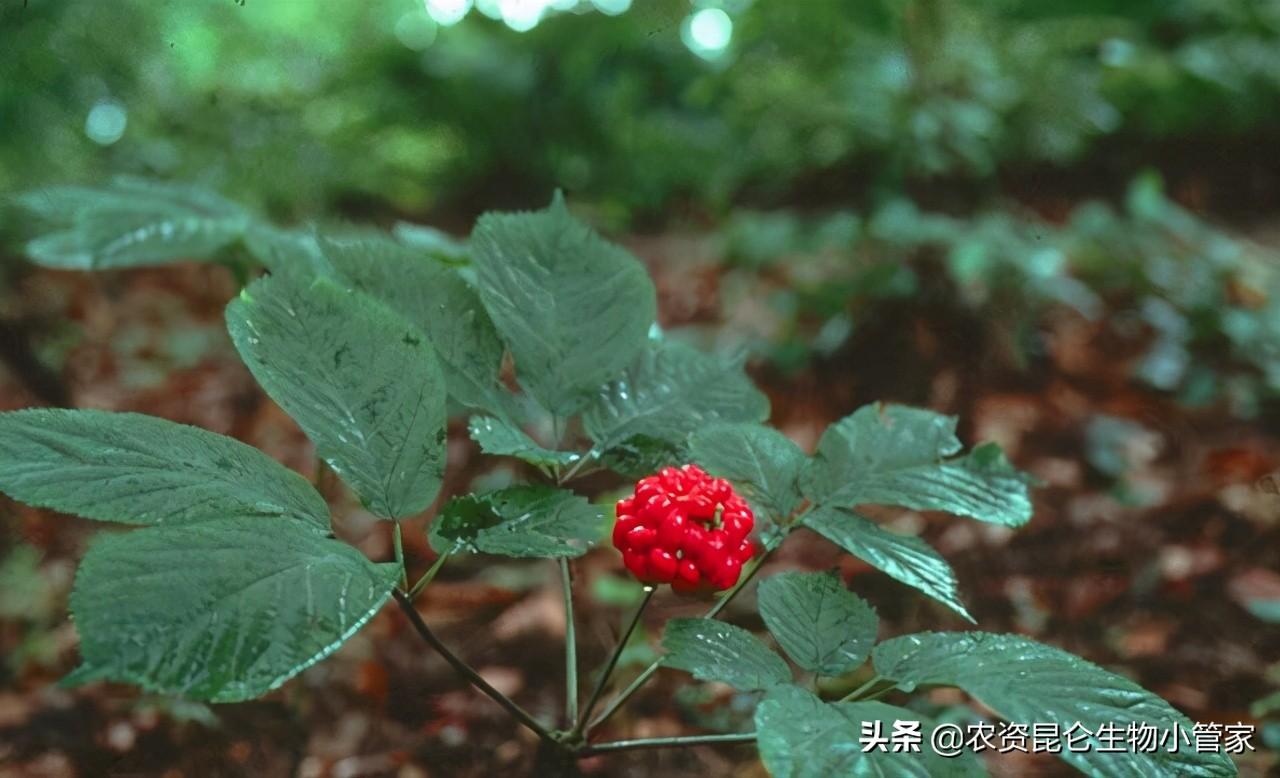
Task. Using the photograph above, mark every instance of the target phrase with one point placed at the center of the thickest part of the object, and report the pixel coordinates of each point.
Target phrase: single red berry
(663, 564)
(683, 527)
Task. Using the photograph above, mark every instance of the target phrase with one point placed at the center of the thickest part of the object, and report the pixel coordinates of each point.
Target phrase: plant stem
(879, 694)
(666, 742)
(467, 672)
(576, 467)
(398, 541)
(653, 668)
(857, 693)
(570, 647)
(428, 576)
(625, 695)
(612, 663)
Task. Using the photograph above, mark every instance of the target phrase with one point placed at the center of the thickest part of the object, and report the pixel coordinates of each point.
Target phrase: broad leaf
(361, 381)
(715, 651)
(640, 455)
(800, 736)
(822, 626)
(908, 559)
(671, 390)
(433, 297)
(1025, 682)
(760, 457)
(139, 469)
(502, 438)
(574, 308)
(894, 455)
(225, 610)
(521, 521)
(132, 222)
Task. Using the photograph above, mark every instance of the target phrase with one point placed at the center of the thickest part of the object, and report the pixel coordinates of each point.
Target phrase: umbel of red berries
(685, 528)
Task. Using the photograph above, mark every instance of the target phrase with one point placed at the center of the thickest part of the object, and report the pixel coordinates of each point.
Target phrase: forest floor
(1156, 530)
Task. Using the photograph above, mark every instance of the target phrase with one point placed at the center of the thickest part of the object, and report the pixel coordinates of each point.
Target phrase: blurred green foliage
(1210, 303)
(363, 107)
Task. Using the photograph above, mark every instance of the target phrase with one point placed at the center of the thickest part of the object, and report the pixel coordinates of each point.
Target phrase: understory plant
(543, 335)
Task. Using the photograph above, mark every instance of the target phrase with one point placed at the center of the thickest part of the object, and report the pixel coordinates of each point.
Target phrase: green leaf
(574, 308)
(822, 626)
(434, 298)
(800, 736)
(1025, 682)
(640, 455)
(521, 521)
(287, 252)
(437, 244)
(671, 390)
(361, 381)
(908, 559)
(131, 222)
(502, 438)
(715, 651)
(760, 457)
(139, 469)
(224, 611)
(894, 455)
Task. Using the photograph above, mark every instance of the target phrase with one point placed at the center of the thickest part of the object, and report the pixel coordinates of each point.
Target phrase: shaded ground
(1145, 549)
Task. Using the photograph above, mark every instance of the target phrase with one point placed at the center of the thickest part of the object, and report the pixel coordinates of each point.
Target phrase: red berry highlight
(685, 528)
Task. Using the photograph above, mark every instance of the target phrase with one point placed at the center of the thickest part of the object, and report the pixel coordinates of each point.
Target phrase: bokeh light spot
(708, 32)
(106, 122)
(447, 12)
(612, 7)
(522, 15)
(416, 30)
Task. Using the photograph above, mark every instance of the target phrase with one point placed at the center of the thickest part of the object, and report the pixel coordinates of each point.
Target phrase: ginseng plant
(232, 581)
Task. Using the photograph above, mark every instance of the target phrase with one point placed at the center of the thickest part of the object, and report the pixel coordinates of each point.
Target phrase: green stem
(857, 693)
(612, 663)
(467, 672)
(576, 467)
(570, 647)
(666, 742)
(428, 576)
(653, 668)
(879, 694)
(398, 541)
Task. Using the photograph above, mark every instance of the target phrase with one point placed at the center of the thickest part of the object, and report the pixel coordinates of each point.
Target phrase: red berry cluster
(685, 528)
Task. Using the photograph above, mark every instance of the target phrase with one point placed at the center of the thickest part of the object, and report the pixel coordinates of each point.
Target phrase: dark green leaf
(715, 651)
(1025, 682)
(139, 469)
(908, 559)
(505, 439)
(132, 222)
(760, 457)
(822, 626)
(362, 382)
(671, 390)
(894, 455)
(521, 521)
(434, 298)
(640, 455)
(573, 308)
(225, 610)
(800, 736)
